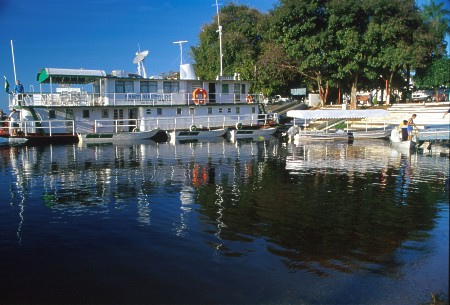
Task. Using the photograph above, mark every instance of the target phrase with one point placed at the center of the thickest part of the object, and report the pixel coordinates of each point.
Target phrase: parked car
(422, 96)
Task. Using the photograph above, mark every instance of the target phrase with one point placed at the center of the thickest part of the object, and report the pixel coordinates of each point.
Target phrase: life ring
(193, 128)
(135, 129)
(201, 100)
(249, 99)
(239, 125)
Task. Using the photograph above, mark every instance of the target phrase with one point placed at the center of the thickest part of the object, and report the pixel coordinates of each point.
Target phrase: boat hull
(116, 137)
(197, 134)
(251, 133)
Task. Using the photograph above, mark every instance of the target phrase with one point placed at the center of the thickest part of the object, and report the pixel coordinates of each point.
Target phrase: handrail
(47, 126)
(64, 99)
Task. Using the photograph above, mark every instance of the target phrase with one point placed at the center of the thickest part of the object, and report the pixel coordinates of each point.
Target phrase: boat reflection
(318, 207)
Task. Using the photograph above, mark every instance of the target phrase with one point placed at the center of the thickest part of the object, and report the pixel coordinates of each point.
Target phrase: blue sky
(100, 34)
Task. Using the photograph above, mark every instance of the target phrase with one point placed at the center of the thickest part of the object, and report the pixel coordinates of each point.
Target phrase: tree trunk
(319, 86)
(388, 89)
(353, 100)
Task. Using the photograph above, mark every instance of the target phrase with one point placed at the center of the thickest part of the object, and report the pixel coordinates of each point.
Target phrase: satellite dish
(140, 56)
(139, 60)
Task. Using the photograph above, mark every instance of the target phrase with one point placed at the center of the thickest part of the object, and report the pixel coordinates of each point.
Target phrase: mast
(181, 49)
(14, 63)
(220, 38)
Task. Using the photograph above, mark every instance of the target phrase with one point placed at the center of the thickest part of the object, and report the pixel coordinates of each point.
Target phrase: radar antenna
(181, 49)
(139, 60)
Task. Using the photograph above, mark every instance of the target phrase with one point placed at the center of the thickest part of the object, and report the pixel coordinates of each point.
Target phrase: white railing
(48, 127)
(216, 121)
(66, 99)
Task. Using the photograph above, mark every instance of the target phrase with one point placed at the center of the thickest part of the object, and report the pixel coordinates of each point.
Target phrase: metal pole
(13, 60)
(220, 38)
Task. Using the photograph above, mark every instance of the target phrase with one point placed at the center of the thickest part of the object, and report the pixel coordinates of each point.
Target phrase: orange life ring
(201, 100)
(249, 99)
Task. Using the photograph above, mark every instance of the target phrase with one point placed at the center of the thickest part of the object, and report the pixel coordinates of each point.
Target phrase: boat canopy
(69, 76)
(337, 114)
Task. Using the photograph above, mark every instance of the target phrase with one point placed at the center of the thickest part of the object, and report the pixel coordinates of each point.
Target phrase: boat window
(238, 110)
(96, 87)
(124, 86)
(225, 89)
(237, 91)
(159, 111)
(209, 110)
(191, 110)
(105, 113)
(229, 110)
(52, 114)
(178, 110)
(85, 114)
(253, 110)
(149, 87)
(171, 87)
(149, 111)
(220, 110)
(242, 88)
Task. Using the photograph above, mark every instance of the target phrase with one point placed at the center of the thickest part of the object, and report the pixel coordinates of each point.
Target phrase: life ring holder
(239, 125)
(195, 94)
(249, 99)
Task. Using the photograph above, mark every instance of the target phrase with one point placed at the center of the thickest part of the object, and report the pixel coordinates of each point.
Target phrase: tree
(300, 26)
(437, 75)
(241, 43)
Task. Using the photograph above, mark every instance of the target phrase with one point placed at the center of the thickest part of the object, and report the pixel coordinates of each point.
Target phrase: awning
(69, 76)
(337, 114)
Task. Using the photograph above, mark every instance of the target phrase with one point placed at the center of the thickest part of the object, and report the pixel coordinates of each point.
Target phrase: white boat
(91, 101)
(196, 134)
(252, 132)
(295, 132)
(117, 137)
(397, 141)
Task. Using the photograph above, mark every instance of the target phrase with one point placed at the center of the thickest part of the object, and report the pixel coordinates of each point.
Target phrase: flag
(6, 85)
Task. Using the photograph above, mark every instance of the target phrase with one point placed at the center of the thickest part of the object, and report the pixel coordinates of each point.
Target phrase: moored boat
(339, 116)
(117, 137)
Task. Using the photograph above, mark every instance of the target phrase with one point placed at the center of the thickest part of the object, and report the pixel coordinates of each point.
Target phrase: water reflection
(319, 208)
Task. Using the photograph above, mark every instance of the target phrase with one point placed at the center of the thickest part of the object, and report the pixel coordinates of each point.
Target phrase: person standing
(411, 125)
(18, 88)
(13, 119)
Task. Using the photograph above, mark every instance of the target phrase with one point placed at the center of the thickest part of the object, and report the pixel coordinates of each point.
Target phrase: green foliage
(437, 74)
(241, 39)
(321, 43)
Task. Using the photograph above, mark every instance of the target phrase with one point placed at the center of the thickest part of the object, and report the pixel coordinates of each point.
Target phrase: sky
(101, 34)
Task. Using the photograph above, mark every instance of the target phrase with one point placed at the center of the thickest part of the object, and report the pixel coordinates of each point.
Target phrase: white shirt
(14, 116)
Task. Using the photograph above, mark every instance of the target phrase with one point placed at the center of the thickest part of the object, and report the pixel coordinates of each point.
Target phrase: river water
(252, 222)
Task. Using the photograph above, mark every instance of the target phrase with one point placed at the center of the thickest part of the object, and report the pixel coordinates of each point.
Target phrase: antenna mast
(181, 49)
(14, 63)
(220, 38)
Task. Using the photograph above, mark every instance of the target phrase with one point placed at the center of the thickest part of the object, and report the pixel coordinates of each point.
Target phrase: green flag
(6, 85)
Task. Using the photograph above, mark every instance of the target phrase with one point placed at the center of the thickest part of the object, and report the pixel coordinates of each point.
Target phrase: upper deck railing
(69, 99)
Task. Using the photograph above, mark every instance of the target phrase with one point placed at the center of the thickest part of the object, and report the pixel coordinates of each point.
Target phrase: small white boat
(252, 132)
(116, 137)
(295, 132)
(196, 134)
(398, 142)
